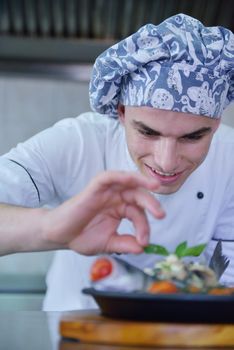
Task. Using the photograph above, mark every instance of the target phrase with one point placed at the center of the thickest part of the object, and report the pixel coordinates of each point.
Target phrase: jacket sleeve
(16, 185)
(33, 173)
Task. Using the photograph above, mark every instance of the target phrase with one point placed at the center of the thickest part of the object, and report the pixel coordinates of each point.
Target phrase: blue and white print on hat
(178, 65)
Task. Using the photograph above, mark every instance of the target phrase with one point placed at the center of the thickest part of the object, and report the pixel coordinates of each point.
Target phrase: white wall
(228, 116)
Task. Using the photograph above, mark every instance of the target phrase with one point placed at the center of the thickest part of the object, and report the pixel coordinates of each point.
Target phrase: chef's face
(167, 145)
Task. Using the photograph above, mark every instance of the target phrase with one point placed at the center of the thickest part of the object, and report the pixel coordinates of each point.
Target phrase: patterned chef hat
(178, 65)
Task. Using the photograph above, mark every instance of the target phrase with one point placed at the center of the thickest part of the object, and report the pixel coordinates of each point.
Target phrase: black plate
(192, 308)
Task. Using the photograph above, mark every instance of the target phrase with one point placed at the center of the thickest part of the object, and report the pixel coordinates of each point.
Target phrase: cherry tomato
(101, 268)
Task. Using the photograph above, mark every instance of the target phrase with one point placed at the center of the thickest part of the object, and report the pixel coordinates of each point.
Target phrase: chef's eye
(147, 132)
(194, 137)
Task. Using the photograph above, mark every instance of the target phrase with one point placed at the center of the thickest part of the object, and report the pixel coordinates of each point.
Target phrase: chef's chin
(170, 188)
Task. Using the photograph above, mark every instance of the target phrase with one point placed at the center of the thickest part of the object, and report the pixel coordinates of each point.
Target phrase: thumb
(124, 243)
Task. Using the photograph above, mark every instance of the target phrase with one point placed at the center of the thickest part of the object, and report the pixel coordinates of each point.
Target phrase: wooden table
(92, 327)
(34, 330)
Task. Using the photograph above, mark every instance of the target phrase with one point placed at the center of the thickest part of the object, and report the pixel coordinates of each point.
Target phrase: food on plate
(187, 277)
(173, 274)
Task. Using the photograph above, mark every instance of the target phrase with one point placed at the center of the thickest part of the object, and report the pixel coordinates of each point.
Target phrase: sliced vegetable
(221, 291)
(162, 287)
(193, 289)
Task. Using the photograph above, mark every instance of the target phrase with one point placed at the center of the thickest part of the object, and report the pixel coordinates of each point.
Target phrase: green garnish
(156, 249)
(181, 250)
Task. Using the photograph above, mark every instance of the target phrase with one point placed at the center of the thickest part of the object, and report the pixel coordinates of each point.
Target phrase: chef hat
(178, 65)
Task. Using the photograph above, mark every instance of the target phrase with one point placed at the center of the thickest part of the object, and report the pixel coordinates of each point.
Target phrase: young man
(160, 94)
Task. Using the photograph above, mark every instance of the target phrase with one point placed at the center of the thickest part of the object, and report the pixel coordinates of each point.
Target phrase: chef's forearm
(21, 230)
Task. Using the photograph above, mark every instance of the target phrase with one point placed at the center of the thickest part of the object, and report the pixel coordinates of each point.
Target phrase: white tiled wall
(29, 105)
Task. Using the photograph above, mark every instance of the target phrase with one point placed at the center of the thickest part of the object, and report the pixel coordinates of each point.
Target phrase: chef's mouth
(164, 177)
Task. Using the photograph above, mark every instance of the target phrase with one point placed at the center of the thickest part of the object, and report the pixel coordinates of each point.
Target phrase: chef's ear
(121, 113)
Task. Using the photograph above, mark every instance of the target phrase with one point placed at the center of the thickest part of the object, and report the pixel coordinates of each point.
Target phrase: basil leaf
(181, 249)
(195, 250)
(156, 249)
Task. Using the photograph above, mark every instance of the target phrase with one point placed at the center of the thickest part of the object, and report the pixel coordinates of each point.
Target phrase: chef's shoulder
(90, 123)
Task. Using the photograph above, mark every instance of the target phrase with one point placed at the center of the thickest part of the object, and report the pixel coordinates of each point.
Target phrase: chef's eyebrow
(199, 132)
(145, 128)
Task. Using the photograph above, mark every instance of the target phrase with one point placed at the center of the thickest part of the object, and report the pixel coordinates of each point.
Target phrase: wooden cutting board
(91, 327)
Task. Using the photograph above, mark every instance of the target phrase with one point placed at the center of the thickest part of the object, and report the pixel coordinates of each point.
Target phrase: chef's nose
(167, 157)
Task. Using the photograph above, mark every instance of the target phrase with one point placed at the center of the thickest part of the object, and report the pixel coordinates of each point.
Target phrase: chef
(157, 99)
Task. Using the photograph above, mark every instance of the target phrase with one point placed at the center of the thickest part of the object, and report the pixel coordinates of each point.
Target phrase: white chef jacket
(57, 163)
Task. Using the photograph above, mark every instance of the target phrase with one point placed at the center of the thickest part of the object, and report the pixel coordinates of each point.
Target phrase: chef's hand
(88, 222)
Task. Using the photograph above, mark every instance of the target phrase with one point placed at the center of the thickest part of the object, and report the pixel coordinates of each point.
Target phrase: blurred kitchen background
(47, 48)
